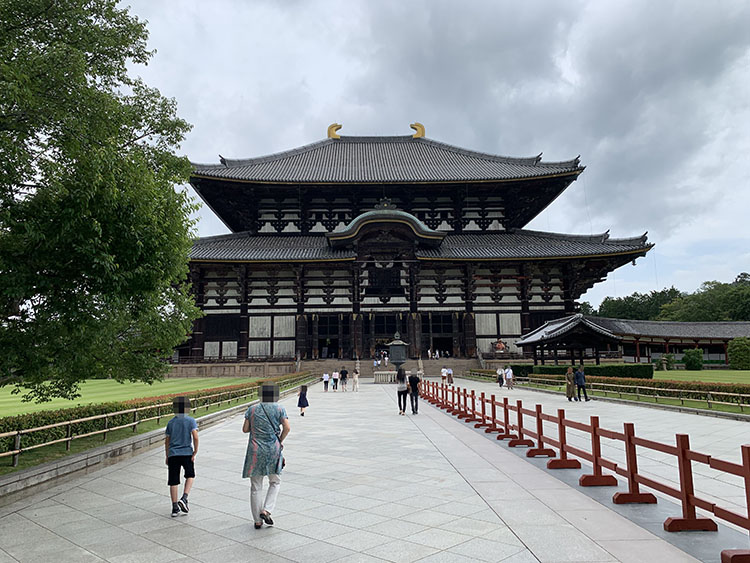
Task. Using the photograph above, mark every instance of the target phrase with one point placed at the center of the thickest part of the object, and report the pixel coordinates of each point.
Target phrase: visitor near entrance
(264, 456)
(335, 378)
(343, 375)
(509, 377)
(401, 390)
(302, 402)
(444, 374)
(581, 383)
(326, 379)
(414, 380)
(449, 375)
(570, 384)
(500, 376)
(181, 447)
(355, 380)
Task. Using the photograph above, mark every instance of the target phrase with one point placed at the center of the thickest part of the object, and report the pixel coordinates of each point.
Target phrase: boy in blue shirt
(181, 447)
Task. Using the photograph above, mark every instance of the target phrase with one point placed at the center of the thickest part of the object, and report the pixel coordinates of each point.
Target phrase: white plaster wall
(510, 323)
(283, 326)
(486, 324)
(260, 327)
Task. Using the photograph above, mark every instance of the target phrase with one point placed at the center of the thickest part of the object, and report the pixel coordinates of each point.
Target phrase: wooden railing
(162, 410)
(508, 421)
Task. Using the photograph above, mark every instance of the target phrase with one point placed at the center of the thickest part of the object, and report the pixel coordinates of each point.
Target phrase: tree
(693, 359)
(642, 306)
(714, 301)
(93, 234)
(739, 353)
(587, 309)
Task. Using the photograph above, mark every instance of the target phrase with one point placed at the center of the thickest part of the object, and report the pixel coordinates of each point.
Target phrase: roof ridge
(602, 237)
(593, 318)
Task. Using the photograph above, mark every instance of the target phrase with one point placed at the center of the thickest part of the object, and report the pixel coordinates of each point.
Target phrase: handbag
(276, 433)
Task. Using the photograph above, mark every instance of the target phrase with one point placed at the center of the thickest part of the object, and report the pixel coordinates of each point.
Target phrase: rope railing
(507, 421)
(162, 410)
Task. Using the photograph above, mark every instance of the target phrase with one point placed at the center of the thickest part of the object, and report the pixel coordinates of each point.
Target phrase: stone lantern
(397, 351)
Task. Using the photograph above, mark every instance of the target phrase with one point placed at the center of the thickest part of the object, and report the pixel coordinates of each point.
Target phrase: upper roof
(493, 245)
(394, 159)
(674, 329)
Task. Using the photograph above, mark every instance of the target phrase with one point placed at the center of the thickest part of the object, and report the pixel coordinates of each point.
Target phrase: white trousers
(257, 504)
(355, 384)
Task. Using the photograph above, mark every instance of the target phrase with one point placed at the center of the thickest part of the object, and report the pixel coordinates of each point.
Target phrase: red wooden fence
(507, 420)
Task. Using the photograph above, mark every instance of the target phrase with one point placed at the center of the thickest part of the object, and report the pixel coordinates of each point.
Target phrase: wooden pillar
(598, 355)
(567, 287)
(536, 360)
(557, 363)
(242, 345)
(524, 284)
(637, 350)
(341, 336)
(300, 336)
(357, 328)
(315, 351)
(470, 335)
(456, 335)
(198, 288)
(726, 352)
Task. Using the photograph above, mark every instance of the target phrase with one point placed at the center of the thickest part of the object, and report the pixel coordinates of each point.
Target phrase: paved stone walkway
(361, 484)
(718, 437)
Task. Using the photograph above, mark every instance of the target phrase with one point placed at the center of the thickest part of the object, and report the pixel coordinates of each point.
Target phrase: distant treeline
(714, 301)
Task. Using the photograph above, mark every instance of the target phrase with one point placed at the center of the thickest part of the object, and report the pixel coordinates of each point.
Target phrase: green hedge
(691, 389)
(633, 371)
(42, 418)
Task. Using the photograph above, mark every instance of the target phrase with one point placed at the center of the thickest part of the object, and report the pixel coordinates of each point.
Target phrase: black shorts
(174, 463)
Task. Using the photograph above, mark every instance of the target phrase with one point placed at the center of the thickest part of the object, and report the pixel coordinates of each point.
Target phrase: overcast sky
(654, 96)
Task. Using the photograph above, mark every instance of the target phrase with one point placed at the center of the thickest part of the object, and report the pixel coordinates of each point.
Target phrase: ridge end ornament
(419, 128)
(332, 128)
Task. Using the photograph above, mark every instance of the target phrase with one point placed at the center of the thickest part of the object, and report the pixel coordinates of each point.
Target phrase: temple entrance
(442, 332)
(328, 347)
(379, 330)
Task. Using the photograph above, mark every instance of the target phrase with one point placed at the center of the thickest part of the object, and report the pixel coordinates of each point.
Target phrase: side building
(337, 245)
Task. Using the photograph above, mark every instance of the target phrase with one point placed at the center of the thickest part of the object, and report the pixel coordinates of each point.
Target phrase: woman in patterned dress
(264, 455)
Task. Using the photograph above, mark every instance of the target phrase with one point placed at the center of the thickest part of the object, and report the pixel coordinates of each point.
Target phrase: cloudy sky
(654, 96)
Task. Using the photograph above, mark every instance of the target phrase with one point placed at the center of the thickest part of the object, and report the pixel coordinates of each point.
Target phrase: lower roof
(496, 245)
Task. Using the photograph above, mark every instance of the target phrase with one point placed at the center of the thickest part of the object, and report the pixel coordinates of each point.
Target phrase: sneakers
(183, 505)
(175, 510)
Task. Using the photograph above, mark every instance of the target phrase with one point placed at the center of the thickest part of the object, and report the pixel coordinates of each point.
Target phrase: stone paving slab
(361, 484)
(718, 437)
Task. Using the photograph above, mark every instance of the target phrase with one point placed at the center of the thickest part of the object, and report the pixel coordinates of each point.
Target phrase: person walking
(580, 379)
(444, 375)
(335, 378)
(414, 380)
(500, 376)
(401, 390)
(355, 380)
(326, 379)
(344, 376)
(570, 384)
(302, 402)
(450, 376)
(264, 456)
(509, 377)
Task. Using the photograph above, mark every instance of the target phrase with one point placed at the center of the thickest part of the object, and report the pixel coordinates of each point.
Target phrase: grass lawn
(106, 390)
(714, 375)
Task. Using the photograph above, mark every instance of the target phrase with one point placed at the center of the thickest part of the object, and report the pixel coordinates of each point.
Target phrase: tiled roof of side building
(395, 159)
(672, 329)
(498, 245)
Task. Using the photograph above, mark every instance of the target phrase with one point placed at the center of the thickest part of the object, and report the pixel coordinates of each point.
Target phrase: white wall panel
(510, 323)
(283, 348)
(486, 324)
(259, 347)
(283, 326)
(211, 349)
(260, 327)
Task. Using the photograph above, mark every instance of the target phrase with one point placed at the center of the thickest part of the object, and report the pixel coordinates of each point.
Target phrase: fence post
(634, 495)
(17, 447)
(492, 426)
(106, 425)
(483, 416)
(564, 462)
(520, 440)
(741, 555)
(689, 520)
(540, 450)
(135, 420)
(506, 422)
(68, 435)
(597, 479)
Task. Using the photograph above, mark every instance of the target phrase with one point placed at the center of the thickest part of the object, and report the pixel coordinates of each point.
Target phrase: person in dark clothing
(401, 389)
(414, 392)
(581, 383)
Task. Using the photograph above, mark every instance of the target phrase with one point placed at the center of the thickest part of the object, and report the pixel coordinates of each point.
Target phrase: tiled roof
(552, 330)
(519, 244)
(382, 160)
(672, 329)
